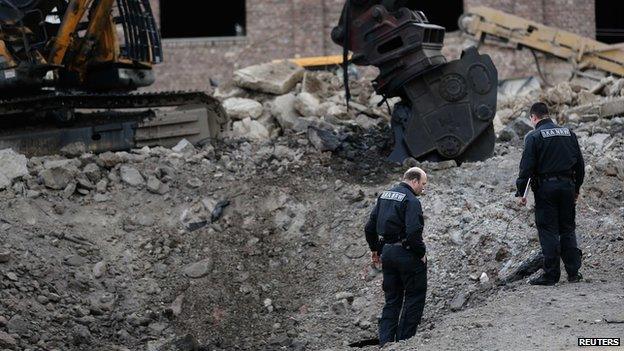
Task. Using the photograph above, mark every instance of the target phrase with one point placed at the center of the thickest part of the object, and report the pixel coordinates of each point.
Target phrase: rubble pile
(256, 242)
(272, 99)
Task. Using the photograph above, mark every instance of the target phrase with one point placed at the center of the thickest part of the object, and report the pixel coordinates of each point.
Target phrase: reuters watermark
(599, 342)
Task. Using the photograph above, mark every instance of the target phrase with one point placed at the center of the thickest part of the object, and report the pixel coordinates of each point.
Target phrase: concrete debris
(250, 129)
(273, 78)
(283, 109)
(228, 90)
(307, 104)
(12, 166)
(58, 174)
(241, 108)
(198, 269)
(323, 140)
(5, 256)
(131, 176)
(458, 301)
(184, 147)
(74, 149)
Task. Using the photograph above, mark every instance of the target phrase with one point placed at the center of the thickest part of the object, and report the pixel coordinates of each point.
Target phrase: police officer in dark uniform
(394, 231)
(553, 161)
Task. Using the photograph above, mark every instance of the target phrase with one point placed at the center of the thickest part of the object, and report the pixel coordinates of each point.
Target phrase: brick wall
(291, 28)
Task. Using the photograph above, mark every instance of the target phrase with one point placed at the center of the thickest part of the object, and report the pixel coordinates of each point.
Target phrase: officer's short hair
(539, 109)
(413, 173)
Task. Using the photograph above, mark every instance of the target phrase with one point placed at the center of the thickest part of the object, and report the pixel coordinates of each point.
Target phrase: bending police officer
(552, 159)
(394, 231)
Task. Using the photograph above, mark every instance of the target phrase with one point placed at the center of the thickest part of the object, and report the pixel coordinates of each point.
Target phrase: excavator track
(107, 122)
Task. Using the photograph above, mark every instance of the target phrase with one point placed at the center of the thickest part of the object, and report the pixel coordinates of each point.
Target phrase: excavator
(69, 75)
(70, 71)
(446, 108)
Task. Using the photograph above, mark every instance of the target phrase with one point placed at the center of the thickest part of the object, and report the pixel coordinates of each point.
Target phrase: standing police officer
(394, 231)
(553, 160)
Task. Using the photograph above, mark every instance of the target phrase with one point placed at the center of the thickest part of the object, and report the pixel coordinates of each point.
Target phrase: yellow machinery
(583, 52)
(68, 69)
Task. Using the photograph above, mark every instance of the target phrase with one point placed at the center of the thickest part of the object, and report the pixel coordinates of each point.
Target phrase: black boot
(575, 278)
(542, 280)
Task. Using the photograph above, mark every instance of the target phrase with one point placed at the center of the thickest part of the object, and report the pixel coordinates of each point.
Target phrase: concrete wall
(292, 28)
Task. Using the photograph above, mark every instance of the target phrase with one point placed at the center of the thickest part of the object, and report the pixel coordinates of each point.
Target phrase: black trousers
(405, 288)
(555, 221)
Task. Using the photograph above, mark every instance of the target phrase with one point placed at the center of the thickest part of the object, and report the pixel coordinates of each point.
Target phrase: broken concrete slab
(283, 109)
(12, 165)
(131, 176)
(58, 174)
(273, 78)
(307, 104)
(241, 108)
(250, 129)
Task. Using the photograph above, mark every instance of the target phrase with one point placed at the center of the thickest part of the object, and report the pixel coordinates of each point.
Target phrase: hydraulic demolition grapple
(446, 108)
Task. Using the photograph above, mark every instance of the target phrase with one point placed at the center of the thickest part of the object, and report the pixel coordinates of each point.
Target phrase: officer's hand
(375, 258)
(522, 201)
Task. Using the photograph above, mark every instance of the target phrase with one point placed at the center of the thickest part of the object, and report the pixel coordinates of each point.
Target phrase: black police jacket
(397, 216)
(550, 150)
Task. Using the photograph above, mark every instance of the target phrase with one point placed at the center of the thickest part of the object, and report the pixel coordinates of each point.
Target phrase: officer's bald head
(414, 173)
(416, 178)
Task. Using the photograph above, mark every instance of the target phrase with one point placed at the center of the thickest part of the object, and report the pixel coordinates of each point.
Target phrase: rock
(99, 269)
(240, 108)
(154, 185)
(561, 94)
(101, 186)
(3, 321)
(438, 166)
(366, 122)
(323, 140)
(69, 190)
(74, 149)
(12, 166)
(312, 83)
(505, 115)
(458, 301)
(273, 78)
(176, 306)
(58, 175)
(598, 140)
(7, 341)
(518, 127)
(336, 111)
(484, 279)
(184, 147)
(12, 276)
(4, 182)
(303, 123)
(80, 335)
(187, 343)
(194, 183)
(5, 256)
(228, 90)
(307, 104)
(250, 129)
(19, 325)
(283, 109)
(198, 269)
(131, 176)
(512, 272)
(108, 159)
